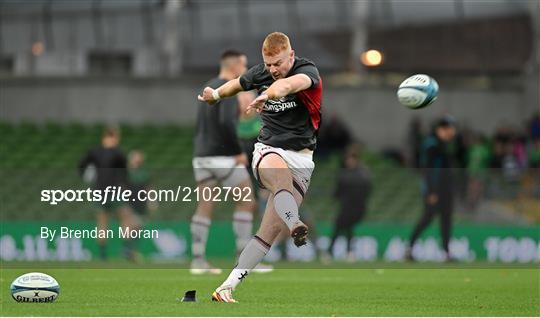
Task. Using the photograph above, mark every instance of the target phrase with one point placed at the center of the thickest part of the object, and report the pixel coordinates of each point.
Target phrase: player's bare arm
(281, 88)
(212, 96)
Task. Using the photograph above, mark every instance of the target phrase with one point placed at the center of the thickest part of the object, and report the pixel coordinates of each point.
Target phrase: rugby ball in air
(35, 288)
(418, 91)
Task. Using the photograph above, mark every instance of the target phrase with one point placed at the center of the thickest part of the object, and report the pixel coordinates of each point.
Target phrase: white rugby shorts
(222, 169)
(300, 163)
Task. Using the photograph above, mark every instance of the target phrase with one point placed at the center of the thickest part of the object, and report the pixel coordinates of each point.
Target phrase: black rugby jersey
(111, 166)
(216, 126)
(292, 121)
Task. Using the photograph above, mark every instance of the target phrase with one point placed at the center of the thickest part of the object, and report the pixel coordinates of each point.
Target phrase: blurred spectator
(438, 195)
(110, 164)
(519, 149)
(477, 165)
(534, 154)
(504, 159)
(534, 165)
(458, 154)
(503, 134)
(139, 180)
(352, 191)
(534, 127)
(498, 151)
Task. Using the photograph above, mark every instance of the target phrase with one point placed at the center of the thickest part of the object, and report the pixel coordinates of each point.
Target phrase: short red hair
(275, 43)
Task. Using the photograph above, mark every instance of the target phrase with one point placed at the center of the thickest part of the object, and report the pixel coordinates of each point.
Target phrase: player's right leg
(445, 208)
(102, 219)
(199, 227)
(425, 220)
(128, 219)
(252, 254)
(202, 219)
(275, 175)
(244, 208)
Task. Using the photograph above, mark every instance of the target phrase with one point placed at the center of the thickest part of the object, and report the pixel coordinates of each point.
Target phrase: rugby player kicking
(290, 91)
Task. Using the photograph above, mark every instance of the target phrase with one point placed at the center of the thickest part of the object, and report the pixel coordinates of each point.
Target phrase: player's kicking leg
(276, 176)
(273, 223)
(243, 222)
(252, 254)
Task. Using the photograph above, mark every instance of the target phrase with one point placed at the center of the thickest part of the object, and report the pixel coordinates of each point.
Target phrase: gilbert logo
(23, 299)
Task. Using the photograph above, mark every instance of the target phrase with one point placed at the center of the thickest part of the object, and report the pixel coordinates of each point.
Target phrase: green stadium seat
(34, 156)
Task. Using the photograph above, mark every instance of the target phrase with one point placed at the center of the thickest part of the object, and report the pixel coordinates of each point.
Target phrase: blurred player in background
(290, 92)
(139, 180)
(438, 191)
(219, 160)
(353, 189)
(110, 165)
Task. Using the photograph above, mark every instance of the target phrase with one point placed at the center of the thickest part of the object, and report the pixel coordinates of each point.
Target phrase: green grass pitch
(407, 291)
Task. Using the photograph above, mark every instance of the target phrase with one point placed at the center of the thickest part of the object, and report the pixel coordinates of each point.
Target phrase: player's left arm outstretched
(281, 88)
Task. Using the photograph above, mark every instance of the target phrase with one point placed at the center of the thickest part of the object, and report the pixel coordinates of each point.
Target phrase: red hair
(275, 43)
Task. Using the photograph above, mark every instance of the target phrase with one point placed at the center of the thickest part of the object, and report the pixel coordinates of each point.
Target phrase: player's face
(280, 64)
(351, 162)
(111, 140)
(446, 133)
(238, 66)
